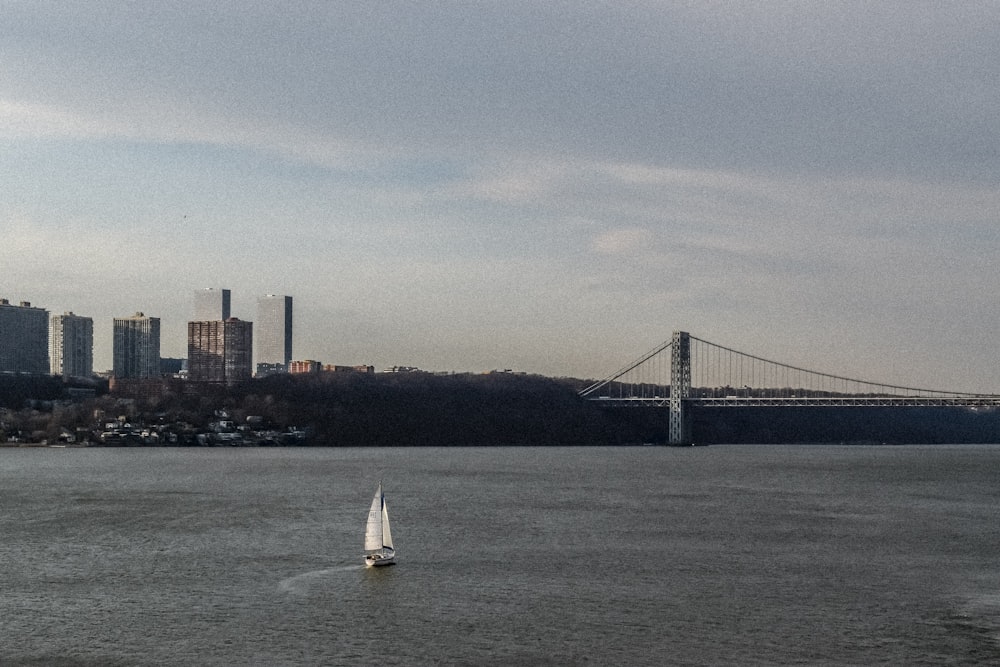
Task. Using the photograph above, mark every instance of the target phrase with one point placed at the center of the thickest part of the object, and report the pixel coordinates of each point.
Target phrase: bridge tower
(680, 387)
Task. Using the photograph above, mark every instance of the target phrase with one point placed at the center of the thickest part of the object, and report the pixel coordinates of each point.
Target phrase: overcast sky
(552, 187)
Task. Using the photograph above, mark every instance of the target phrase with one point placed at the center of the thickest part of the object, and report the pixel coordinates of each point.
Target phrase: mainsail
(377, 535)
(377, 527)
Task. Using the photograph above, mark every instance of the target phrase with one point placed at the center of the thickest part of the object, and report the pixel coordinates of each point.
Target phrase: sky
(545, 186)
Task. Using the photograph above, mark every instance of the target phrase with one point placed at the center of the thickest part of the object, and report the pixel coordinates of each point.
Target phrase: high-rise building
(71, 345)
(137, 347)
(220, 350)
(24, 338)
(212, 304)
(274, 333)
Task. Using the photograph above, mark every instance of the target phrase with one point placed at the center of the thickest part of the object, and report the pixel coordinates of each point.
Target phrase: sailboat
(378, 539)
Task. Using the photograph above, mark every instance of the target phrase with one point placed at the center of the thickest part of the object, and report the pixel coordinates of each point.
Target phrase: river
(722, 555)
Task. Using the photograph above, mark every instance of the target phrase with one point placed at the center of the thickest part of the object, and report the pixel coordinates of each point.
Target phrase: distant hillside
(423, 409)
(418, 409)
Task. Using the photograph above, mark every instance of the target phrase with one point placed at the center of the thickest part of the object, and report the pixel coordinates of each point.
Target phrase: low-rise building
(304, 366)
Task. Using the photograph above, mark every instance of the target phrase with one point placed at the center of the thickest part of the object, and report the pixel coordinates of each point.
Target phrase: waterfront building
(274, 333)
(136, 347)
(220, 350)
(71, 345)
(212, 304)
(24, 338)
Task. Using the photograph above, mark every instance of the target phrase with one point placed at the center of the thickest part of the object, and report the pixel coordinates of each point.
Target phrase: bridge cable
(880, 385)
(625, 369)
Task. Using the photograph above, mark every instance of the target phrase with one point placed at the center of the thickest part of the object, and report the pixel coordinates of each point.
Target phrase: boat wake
(979, 618)
(301, 584)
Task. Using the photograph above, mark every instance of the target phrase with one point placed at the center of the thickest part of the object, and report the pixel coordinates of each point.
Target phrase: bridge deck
(805, 401)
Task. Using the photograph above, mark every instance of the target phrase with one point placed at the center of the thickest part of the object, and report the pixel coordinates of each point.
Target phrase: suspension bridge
(686, 371)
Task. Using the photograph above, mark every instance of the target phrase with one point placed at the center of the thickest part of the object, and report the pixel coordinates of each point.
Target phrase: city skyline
(553, 188)
(236, 346)
(210, 305)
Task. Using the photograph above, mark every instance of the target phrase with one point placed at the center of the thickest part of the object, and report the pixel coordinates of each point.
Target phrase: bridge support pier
(680, 387)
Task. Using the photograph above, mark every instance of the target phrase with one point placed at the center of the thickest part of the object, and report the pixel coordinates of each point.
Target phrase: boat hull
(381, 558)
(371, 561)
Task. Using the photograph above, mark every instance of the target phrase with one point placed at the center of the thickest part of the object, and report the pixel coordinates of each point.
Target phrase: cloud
(621, 241)
(809, 87)
(580, 172)
(22, 121)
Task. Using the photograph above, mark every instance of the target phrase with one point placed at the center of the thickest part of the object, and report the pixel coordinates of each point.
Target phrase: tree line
(424, 409)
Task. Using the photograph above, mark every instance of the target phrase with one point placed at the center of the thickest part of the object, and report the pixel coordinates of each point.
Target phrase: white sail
(386, 535)
(373, 531)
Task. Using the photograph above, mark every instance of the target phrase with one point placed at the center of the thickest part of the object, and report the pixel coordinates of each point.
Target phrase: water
(642, 556)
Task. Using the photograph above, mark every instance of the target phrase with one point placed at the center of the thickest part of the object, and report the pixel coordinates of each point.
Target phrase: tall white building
(137, 347)
(24, 338)
(212, 304)
(71, 345)
(273, 335)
